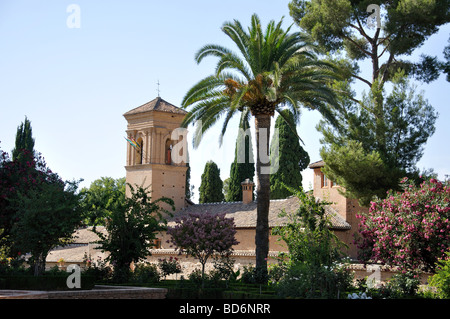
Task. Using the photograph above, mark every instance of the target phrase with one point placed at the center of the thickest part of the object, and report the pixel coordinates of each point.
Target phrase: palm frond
(211, 50)
(232, 61)
(272, 68)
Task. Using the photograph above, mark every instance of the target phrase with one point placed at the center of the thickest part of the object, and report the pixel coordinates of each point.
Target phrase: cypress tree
(24, 140)
(211, 184)
(292, 158)
(243, 166)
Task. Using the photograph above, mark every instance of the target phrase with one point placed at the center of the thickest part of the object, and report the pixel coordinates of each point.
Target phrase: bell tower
(152, 130)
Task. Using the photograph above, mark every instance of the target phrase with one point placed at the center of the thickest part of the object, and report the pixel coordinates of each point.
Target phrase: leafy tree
(211, 185)
(131, 229)
(39, 211)
(356, 160)
(203, 235)
(291, 160)
(274, 68)
(49, 214)
(404, 26)
(375, 124)
(243, 166)
(98, 199)
(8, 170)
(24, 140)
(308, 233)
(408, 229)
(314, 251)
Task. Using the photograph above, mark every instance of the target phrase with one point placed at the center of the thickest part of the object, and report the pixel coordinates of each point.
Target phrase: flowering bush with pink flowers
(408, 229)
(203, 235)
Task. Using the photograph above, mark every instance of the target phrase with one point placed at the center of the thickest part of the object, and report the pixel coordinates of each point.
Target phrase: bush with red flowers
(408, 229)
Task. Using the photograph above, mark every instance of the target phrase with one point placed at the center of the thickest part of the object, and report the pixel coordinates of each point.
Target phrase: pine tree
(211, 184)
(291, 160)
(357, 160)
(24, 140)
(243, 166)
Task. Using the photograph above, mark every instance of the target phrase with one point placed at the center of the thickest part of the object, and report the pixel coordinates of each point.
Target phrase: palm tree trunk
(262, 121)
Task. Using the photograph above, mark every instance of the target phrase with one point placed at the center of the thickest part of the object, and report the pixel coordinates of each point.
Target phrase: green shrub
(402, 285)
(441, 279)
(146, 273)
(276, 272)
(99, 269)
(251, 275)
(169, 266)
(303, 280)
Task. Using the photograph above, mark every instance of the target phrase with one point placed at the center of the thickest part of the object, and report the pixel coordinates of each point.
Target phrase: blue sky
(74, 84)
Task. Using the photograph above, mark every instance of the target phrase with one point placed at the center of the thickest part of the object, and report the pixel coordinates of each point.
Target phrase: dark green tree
(291, 158)
(46, 210)
(24, 140)
(131, 229)
(211, 185)
(243, 166)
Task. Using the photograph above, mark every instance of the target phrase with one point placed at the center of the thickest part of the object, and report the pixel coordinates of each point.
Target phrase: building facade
(154, 127)
(327, 190)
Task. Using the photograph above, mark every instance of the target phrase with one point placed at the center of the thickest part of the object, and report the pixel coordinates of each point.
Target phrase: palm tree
(275, 69)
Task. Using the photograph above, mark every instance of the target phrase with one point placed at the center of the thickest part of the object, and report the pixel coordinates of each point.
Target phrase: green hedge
(46, 282)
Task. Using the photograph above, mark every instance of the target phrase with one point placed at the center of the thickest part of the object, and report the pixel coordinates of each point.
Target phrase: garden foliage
(408, 229)
(203, 235)
(131, 229)
(316, 268)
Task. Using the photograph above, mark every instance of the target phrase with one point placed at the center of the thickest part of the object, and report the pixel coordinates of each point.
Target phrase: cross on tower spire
(158, 88)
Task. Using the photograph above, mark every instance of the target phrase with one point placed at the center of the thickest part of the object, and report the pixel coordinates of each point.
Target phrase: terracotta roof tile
(245, 214)
(317, 164)
(157, 104)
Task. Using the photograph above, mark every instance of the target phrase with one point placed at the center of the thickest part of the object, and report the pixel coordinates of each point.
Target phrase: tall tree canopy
(98, 200)
(355, 157)
(272, 69)
(378, 138)
(24, 140)
(403, 26)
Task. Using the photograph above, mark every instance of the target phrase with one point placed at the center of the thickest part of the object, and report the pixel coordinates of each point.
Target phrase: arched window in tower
(168, 152)
(139, 152)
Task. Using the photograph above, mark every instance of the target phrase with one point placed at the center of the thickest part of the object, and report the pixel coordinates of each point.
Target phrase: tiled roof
(245, 214)
(82, 244)
(157, 104)
(75, 253)
(317, 164)
(86, 235)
